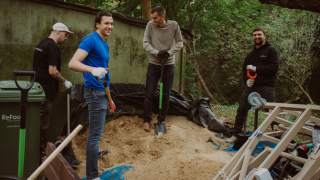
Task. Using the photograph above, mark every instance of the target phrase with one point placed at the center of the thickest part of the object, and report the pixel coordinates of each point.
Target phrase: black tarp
(201, 114)
(129, 98)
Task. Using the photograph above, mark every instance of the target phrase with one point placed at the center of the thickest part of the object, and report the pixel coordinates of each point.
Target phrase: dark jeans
(97, 107)
(153, 76)
(45, 112)
(265, 92)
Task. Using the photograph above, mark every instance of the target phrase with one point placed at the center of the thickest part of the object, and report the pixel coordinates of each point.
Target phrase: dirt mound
(182, 153)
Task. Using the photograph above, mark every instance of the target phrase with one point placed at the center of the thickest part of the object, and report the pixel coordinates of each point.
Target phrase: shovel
(24, 101)
(243, 138)
(105, 84)
(160, 128)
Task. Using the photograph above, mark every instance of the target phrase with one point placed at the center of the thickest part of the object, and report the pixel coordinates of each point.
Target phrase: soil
(181, 153)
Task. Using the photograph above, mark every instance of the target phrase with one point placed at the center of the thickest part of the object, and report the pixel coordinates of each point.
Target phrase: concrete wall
(25, 23)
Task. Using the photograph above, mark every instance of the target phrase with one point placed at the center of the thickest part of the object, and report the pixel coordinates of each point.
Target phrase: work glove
(163, 54)
(253, 68)
(113, 109)
(67, 84)
(250, 82)
(99, 72)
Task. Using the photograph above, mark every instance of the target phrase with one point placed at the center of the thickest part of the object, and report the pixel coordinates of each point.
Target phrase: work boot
(146, 127)
(232, 139)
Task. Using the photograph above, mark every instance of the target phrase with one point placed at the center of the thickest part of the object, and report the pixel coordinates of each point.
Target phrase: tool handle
(163, 60)
(249, 76)
(106, 87)
(55, 153)
(24, 73)
(24, 94)
(109, 98)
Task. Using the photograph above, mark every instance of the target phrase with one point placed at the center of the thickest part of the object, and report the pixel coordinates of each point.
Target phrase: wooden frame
(239, 166)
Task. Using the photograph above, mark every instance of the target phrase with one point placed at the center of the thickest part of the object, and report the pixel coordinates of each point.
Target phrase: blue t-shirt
(98, 56)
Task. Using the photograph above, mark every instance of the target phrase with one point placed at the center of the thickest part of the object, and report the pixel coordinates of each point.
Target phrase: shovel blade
(239, 142)
(158, 129)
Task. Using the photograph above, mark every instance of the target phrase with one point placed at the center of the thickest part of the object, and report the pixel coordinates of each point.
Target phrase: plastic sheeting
(200, 113)
(115, 173)
(258, 149)
(129, 98)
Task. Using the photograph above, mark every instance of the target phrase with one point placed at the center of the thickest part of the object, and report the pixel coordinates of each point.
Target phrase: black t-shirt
(47, 53)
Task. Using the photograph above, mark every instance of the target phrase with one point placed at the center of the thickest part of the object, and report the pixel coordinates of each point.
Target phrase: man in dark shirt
(46, 64)
(264, 60)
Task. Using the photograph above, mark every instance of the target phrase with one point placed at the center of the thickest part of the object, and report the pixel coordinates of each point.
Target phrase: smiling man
(92, 58)
(158, 40)
(264, 60)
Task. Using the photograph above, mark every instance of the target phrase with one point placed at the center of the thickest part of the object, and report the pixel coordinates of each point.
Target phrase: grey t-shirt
(161, 38)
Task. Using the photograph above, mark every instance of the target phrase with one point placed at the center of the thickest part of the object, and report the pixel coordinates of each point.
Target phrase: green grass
(230, 112)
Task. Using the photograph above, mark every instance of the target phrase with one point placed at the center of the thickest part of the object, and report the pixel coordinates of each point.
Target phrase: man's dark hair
(159, 10)
(99, 15)
(258, 29)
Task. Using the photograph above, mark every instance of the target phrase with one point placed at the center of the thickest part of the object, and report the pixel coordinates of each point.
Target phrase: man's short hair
(99, 15)
(258, 29)
(159, 10)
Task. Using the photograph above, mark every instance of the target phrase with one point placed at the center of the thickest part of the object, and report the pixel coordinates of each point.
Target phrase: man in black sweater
(264, 60)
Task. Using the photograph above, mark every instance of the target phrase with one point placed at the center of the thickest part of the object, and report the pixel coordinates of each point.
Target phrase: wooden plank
(316, 175)
(299, 134)
(297, 113)
(289, 156)
(254, 163)
(288, 123)
(286, 139)
(262, 156)
(245, 164)
(274, 133)
(59, 167)
(228, 167)
(237, 166)
(310, 166)
(50, 172)
(295, 107)
(249, 144)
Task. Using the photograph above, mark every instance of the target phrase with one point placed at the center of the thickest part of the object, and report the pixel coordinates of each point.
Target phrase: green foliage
(229, 112)
(101, 4)
(293, 32)
(223, 38)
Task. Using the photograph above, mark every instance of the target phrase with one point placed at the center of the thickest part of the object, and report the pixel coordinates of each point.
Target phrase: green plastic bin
(10, 112)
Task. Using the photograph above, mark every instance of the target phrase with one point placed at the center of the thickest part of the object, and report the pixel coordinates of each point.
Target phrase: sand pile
(182, 153)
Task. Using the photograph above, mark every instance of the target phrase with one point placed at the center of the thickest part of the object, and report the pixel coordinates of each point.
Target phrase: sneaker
(98, 178)
(103, 152)
(232, 139)
(146, 127)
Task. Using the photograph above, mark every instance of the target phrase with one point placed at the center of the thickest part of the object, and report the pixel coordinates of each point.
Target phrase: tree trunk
(201, 79)
(131, 7)
(146, 9)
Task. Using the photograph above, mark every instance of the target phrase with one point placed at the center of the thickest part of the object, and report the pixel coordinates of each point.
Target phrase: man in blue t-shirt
(92, 58)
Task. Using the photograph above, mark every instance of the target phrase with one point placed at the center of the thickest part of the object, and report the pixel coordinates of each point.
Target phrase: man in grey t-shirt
(158, 40)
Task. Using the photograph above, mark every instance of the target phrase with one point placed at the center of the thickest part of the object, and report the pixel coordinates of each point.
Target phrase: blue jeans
(97, 107)
(153, 76)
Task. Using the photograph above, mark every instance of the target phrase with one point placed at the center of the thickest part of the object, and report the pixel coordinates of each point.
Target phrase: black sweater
(266, 60)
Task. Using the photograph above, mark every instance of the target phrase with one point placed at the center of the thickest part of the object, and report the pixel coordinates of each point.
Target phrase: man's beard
(260, 43)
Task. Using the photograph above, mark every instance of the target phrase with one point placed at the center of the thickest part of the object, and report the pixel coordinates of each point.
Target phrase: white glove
(250, 82)
(67, 84)
(99, 72)
(253, 68)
